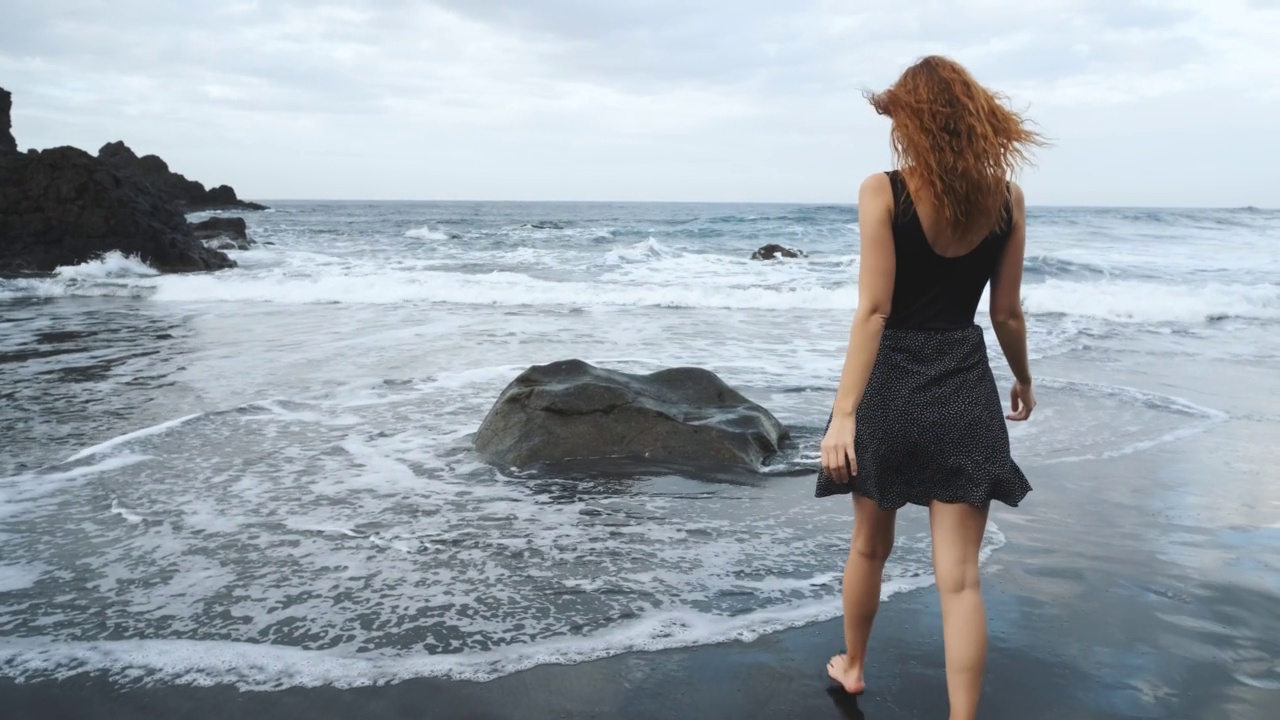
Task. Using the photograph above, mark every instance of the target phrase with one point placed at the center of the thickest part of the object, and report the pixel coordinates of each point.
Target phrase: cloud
(635, 99)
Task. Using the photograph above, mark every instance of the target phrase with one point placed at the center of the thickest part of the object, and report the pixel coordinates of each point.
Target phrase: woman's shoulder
(878, 184)
(1017, 199)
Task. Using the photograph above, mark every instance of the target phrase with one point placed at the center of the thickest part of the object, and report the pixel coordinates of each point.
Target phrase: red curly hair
(955, 141)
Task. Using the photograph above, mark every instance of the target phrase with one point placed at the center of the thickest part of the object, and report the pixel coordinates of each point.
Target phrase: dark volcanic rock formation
(773, 250)
(222, 233)
(570, 411)
(63, 207)
(7, 143)
(189, 195)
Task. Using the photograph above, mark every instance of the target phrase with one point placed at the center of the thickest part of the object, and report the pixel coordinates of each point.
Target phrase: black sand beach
(1136, 587)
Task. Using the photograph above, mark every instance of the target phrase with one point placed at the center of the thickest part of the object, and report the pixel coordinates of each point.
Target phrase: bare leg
(957, 535)
(863, 571)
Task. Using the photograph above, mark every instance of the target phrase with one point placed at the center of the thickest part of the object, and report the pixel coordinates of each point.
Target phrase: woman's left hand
(838, 458)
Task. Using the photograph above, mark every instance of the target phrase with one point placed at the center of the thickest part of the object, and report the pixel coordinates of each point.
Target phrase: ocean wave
(429, 233)
(260, 667)
(643, 251)
(495, 288)
(558, 233)
(130, 436)
(673, 279)
(112, 275)
(270, 667)
(1131, 301)
(1203, 418)
(267, 667)
(1050, 266)
(1141, 398)
(648, 273)
(110, 266)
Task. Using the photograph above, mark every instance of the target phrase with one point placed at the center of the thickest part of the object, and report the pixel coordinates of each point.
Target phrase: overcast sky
(1161, 102)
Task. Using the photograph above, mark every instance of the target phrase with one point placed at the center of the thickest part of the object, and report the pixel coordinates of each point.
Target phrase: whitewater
(263, 477)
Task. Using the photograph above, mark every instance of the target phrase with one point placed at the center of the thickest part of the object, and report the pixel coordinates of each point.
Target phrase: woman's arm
(877, 264)
(1006, 310)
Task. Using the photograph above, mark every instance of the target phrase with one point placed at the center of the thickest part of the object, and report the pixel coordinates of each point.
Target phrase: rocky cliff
(63, 206)
(188, 195)
(7, 143)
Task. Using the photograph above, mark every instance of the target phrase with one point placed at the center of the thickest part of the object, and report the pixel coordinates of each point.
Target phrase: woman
(917, 417)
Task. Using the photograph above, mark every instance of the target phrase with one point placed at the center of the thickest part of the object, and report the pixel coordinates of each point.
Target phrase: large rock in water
(189, 195)
(569, 412)
(222, 233)
(64, 207)
(7, 143)
(774, 250)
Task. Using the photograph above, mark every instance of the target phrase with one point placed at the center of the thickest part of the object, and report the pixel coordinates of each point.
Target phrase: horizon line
(809, 203)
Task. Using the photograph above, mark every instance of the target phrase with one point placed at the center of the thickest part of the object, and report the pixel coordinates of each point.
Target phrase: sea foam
(426, 233)
(1131, 301)
(495, 288)
(268, 667)
(112, 275)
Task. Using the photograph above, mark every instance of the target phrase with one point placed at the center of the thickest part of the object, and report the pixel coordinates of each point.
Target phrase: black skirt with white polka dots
(931, 425)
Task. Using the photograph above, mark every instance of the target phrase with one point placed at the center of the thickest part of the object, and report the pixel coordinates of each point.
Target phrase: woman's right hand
(838, 458)
(1021, 401)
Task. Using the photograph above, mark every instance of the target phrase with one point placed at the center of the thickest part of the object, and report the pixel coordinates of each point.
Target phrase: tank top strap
(894, 181)
(1005, 228)
(902, 204)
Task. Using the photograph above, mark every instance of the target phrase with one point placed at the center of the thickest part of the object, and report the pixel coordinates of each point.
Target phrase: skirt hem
(1013, 499)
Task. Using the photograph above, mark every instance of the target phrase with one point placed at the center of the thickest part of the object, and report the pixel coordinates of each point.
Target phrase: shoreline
(1100, 605)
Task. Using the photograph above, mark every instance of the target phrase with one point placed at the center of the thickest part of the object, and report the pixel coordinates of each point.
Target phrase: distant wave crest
(429, 233)
(1131, 301)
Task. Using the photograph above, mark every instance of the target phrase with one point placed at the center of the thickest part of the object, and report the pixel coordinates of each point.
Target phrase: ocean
(263, 477)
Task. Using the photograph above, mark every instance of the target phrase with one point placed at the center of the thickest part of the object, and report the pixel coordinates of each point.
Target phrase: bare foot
(850, 678)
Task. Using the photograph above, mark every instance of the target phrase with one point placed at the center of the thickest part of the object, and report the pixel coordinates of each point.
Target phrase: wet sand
(1146, 586)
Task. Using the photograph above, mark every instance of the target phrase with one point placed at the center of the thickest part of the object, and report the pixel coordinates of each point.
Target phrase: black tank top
(932, 292)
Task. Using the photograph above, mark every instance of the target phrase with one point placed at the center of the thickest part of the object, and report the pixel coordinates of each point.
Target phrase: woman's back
(938, 287)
